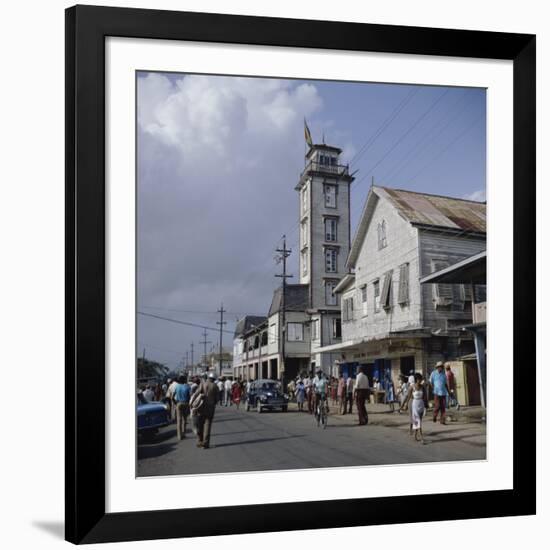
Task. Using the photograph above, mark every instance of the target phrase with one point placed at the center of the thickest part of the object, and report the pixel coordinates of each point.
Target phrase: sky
(218, 160)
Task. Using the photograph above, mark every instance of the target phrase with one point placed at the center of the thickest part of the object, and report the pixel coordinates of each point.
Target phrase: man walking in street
(227, 394)
(451, 384)
(182, 394)
(206, 412)
(170, 398)
(348, 396)
(438, 382)
(220, 385)
(361, 393)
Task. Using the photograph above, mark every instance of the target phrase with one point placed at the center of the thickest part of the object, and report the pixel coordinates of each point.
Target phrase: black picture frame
(86, 30)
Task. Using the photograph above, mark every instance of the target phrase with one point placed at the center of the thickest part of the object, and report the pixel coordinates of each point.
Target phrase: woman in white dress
(416, 396)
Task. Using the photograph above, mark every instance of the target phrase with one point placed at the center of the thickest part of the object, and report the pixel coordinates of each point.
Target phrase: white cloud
(212, 116)
(478, 195)
(218, 161)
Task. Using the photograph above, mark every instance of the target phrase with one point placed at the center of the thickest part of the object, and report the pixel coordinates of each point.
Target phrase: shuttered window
(403, 296)
(348, 309)
(386, 297)
(443, 293)
(364, 300)
(376, 286)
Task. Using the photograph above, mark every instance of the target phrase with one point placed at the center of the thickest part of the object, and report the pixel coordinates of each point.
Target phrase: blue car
(266, 394)
(151, 415)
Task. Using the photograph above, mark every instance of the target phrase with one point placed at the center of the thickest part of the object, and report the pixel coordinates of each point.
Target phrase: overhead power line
(186, 323)
(403, 136)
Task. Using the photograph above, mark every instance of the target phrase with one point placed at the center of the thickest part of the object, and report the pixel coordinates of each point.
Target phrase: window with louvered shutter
(376, 285)
(443, 292)
(403, 296)
(364, 300)
(387, 291)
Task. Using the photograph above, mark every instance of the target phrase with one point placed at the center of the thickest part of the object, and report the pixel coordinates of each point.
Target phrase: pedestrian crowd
(196, 398)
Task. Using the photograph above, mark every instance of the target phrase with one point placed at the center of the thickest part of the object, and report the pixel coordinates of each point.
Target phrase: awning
(472, 270)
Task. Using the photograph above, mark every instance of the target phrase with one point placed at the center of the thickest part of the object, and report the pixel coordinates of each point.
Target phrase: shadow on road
(253, 441)
(157, 438)
(153, 451)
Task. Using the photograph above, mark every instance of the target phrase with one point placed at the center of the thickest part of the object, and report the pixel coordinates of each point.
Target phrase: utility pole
(284, 253)
(193, 357)
(204, 342)
(186, 360)
(221, 322)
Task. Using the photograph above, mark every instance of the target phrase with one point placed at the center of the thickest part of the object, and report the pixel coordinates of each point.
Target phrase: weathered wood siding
(372, 264)
(437, 246)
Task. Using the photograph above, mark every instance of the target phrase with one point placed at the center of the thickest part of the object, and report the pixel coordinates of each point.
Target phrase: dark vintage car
(151, 415)
(266, 394)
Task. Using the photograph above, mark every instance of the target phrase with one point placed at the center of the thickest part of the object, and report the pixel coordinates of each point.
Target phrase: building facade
(390, 322)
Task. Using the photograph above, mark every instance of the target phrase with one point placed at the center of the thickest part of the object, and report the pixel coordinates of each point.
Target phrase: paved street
(250, 441)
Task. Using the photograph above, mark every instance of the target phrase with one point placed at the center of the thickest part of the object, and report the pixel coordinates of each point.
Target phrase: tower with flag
(324, 191)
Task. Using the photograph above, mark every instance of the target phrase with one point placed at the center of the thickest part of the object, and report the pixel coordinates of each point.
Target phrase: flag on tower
(307, 134)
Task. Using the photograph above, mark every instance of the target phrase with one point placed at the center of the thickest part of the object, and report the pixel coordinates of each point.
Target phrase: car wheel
(258, 406)
(284, 408)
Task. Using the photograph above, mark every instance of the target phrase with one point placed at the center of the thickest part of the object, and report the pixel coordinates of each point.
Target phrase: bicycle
(321, 413)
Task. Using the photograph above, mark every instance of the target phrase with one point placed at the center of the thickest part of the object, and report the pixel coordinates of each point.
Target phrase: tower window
(330, 196)
(304, 262)
(331, 226)
(330, 298)
(331, 258)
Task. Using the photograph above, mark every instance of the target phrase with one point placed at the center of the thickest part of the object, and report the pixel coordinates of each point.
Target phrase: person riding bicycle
(320, 387)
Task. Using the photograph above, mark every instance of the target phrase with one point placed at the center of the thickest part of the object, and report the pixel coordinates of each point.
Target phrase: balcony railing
(336, 169)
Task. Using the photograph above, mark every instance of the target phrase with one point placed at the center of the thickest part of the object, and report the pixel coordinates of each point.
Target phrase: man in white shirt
(149, 394)
(227, 393)
(361, 391)
(219, 383)
(170, 397)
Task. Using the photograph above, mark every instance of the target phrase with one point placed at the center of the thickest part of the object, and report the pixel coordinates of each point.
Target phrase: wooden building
(390, 322)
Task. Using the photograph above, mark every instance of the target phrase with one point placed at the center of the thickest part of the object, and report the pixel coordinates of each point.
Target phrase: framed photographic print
(300, 273)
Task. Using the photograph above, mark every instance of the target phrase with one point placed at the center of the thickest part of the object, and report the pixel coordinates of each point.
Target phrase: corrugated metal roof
(439, 211)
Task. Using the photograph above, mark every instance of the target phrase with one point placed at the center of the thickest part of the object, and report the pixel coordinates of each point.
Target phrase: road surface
(248, 441)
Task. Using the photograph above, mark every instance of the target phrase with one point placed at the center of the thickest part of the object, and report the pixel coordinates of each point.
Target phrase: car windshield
(267, 386)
